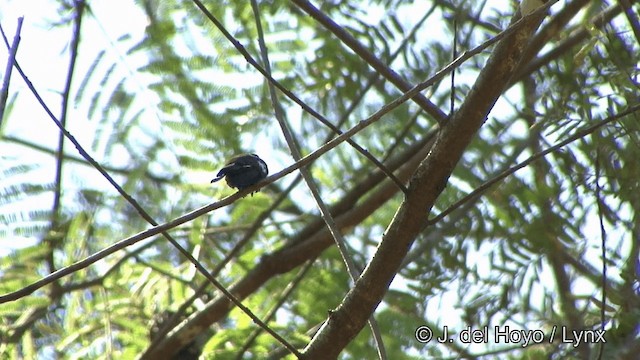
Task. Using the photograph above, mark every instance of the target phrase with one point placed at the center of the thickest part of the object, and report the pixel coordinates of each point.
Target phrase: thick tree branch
(426, 185)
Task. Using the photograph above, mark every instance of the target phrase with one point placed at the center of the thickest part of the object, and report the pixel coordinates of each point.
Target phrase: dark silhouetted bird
(243, 171)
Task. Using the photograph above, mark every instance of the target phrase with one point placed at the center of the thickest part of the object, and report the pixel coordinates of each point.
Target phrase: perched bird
(243, 171)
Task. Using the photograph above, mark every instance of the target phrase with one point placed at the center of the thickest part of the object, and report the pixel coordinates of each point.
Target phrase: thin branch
(286, 292)
(4, 92)
(603, 245)
(80, 160)
(53, 243)
(578, 135)
(294, 147)
(370, 58)
(73, 56)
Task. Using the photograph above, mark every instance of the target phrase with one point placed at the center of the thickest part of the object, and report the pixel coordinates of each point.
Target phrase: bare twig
(294, 147)
(578, 135)
(603, 245)
(370, 58)
(64, 107)
(286, 292)
(4, 92)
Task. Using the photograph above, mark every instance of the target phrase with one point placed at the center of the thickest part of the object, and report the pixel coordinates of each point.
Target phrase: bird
(242, 171)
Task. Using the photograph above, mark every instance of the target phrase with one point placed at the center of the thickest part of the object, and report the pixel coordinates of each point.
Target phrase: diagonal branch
(4, 91)
(428, 181)
(325, 213)
(489, 183)
(575, 38)
(370, 58)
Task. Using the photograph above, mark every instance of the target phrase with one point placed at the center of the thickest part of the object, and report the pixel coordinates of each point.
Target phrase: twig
(80, 160)
(286, 292)
(578, 135)
(603, 245)
(294, 147)
(370, 58)
(4, 92)
(64, 107)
